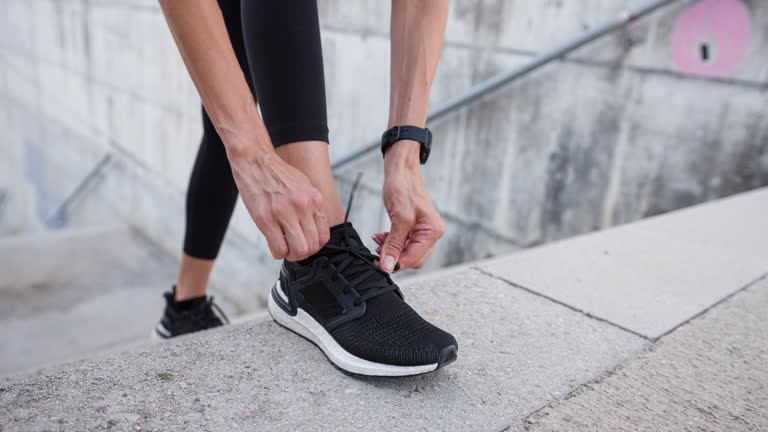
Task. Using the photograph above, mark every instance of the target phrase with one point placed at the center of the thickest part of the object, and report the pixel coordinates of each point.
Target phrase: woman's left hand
(416, 225)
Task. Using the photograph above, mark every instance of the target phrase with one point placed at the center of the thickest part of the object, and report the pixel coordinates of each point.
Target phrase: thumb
(393, 245)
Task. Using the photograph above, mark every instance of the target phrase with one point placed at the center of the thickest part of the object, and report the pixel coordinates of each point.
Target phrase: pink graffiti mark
(711, 38)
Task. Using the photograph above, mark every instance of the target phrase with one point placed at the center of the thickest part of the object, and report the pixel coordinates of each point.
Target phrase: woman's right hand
(283, 203)
(286, 207)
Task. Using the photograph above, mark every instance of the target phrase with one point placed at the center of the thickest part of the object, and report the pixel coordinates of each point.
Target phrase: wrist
(246, 144)
(403, 155)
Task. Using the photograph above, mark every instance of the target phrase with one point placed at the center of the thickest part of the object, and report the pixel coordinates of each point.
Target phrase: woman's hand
(282, 202)
(286, 207)
(416, 225)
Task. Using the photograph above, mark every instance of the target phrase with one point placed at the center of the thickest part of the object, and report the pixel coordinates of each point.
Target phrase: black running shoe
(188, 316)
(350, 308)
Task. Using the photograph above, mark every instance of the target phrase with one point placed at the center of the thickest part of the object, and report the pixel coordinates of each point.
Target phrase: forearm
(201, 36)
(417, 33)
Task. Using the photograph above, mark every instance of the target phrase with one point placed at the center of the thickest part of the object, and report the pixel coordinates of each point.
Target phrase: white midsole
(306, 326)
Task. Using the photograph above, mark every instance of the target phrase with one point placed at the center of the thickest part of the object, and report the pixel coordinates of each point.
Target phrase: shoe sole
(304, 325)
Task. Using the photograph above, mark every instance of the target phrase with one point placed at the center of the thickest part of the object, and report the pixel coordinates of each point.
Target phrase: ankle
(188, 304)
(184, 292)
(193, 277)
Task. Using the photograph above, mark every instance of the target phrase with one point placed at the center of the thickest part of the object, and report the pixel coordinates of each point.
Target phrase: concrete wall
(626, 128)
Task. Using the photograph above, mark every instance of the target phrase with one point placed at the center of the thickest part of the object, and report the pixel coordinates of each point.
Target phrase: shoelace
(368, 280)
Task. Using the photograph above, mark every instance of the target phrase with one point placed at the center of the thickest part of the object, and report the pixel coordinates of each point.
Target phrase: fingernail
(389, 263)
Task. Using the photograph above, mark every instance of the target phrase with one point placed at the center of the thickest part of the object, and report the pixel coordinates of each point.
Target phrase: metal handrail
(503, 79)
(92, 175)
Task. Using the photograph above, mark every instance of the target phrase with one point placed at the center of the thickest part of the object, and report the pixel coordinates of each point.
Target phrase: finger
(379, 238)
(393, 245)
(321, 220)
(416, 252)
(309, 227)
(420, 263)
(323, 228)
(275, 239)
(378, 249)
(297, 244)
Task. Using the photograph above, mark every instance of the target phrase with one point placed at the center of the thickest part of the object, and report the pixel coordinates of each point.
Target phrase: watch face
(426, 147)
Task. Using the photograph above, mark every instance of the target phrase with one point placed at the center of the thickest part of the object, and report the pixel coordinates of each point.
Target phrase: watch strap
(415, 133)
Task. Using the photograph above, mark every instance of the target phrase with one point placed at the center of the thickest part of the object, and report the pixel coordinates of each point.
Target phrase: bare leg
(311, 158)
(193, 277)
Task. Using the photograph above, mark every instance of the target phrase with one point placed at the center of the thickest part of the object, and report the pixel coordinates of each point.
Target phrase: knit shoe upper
(189, 317)
(360, 306)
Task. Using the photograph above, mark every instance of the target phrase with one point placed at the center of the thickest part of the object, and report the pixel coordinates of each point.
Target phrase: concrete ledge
(653, 275)
(710, 375)
(517, 351)
(522, 345)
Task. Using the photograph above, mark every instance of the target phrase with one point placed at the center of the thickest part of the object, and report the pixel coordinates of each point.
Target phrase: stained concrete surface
(66, 294)
(653, 275)
(526, 360)
(709, 375)
(574, 147)
(517, 351)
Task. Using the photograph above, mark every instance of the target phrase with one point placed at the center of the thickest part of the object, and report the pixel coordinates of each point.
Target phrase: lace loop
(356, 263)
(367, 279)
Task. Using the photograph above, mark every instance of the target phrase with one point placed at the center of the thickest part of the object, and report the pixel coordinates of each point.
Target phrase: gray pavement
(643, 327)
(709, 375)
(517, 351)
(653, 275)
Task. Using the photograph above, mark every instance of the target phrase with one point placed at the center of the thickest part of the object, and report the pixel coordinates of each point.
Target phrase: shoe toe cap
(439, 344)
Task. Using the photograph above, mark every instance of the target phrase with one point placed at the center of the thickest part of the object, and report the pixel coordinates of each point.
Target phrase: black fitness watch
(397, 133)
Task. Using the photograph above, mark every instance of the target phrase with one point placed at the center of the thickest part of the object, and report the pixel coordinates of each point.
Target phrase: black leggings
(277, 44)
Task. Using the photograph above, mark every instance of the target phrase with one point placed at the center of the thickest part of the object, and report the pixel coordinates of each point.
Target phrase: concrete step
(529, 329)
(66, 294)
(517, 351)
(711, 373)
(653, 275)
